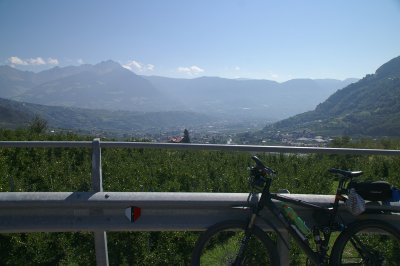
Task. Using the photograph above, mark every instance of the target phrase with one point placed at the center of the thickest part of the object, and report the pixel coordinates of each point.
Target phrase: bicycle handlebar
(264, 170)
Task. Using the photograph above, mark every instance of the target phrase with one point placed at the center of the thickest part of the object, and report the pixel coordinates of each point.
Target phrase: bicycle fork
(248, 232)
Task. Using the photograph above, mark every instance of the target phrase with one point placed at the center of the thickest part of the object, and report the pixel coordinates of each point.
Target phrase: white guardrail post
(100, 237)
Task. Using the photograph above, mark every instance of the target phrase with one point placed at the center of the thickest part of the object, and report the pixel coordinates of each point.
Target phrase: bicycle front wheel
(220, 245)
(369, 242)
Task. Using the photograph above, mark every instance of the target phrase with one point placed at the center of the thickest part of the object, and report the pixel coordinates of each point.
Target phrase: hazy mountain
(243, 99)
(108, 85)
(15, 114)
(370, 107)
(13, 82)
(62, 72)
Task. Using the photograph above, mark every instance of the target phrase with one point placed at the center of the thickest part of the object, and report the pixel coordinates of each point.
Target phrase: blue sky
(276, 40)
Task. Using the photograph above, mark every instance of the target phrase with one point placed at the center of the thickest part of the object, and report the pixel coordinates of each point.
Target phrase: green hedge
(69, 169)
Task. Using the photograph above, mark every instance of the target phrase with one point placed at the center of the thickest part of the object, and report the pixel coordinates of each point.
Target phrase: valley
(110, 101)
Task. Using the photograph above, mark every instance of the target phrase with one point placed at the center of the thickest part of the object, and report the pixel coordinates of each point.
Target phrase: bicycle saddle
(345, 173)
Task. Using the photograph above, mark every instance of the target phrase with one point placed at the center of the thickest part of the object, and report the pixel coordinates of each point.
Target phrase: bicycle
(236, 242)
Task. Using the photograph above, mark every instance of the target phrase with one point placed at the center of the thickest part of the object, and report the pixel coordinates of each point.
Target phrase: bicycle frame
(261, 176)
(266, 201)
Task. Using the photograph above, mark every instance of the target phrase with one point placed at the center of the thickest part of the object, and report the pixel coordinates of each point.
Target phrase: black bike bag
(373, 191)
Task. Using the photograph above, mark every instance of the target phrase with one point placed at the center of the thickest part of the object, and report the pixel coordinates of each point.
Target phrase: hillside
(369, 107)
(15, 114)
(11, 117)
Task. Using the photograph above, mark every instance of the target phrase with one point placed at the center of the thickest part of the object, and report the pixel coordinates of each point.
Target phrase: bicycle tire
(219, 244)
(369, 242)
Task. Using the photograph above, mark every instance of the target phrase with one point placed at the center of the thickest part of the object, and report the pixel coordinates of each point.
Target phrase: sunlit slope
(369, 107)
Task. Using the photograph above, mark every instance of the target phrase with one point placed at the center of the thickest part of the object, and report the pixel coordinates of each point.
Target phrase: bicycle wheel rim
(220, 246)
(371, 243)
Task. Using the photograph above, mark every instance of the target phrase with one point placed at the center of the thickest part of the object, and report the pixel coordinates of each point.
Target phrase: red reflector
(135, 213)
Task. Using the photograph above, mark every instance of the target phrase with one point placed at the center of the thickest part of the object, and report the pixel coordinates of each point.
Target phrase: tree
(186, 138)
(38, 125)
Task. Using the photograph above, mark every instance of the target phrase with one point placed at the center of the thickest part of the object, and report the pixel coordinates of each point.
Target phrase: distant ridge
(15, 115)
(369, 107)
(108, 85)
(243, 99)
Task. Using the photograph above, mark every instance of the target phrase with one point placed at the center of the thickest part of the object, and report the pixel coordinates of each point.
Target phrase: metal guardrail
(160, 211)
(99, 211)
(181, 146)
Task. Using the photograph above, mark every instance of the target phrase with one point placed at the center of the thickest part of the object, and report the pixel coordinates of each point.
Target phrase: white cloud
(14, 60)
(193, 70)
(150, 67)
(17, 61)
(80, 61)
(52, 61)
(136, 66)
(36, 61)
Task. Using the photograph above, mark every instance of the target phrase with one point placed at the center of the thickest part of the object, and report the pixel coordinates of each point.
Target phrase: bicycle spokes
(368, 249)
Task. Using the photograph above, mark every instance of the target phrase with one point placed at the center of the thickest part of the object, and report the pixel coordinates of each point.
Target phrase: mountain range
(109, 97)
(369, 107)
(106, 85)
(109, 86)
(249, 99)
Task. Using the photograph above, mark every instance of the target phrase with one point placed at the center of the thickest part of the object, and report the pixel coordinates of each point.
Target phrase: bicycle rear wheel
(220, 245)
(369, 242)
